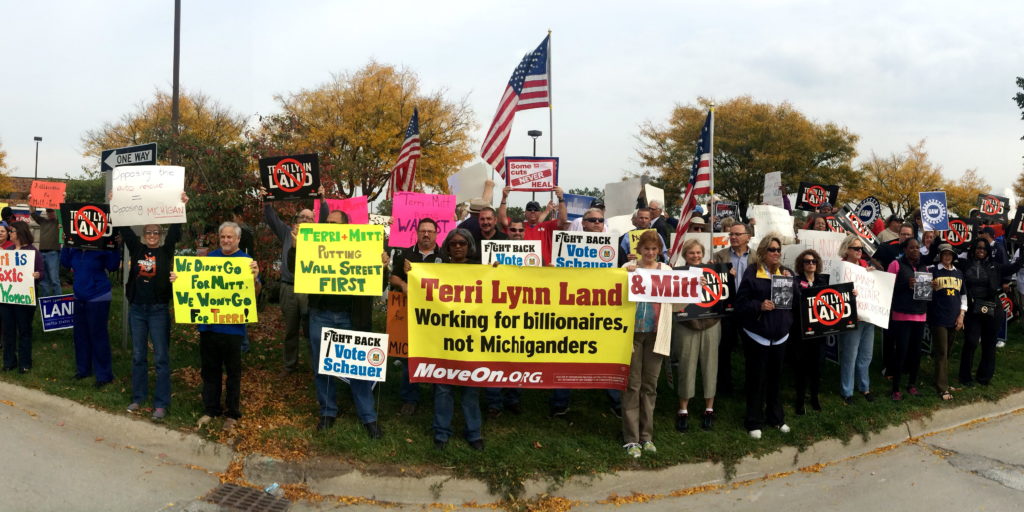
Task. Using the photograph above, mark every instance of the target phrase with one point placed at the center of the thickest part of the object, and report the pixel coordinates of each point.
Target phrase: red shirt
(542, 231)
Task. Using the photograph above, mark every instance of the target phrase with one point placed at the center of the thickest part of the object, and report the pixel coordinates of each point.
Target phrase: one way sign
(144, 154)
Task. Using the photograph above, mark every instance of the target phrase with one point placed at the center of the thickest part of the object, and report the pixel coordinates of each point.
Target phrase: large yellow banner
(214, 290)
(339, 259)
(536, 327)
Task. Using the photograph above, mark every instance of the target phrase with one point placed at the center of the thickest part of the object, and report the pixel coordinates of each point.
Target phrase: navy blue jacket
(753, 291)
(90, 269)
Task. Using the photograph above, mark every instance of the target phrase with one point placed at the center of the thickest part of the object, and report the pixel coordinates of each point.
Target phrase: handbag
(984, 307)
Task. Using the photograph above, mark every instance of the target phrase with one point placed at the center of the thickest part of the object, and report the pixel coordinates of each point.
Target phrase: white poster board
(521, 253)
(826, 243)
(665, 286)
(17, 286)
(654, 194)
(469, 182)
(874, 292)
(772, 219)
(620, 197)
(147, 194)
(773, 189)
(719, 241)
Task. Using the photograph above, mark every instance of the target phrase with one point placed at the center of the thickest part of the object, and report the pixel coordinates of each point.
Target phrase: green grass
(281, 414)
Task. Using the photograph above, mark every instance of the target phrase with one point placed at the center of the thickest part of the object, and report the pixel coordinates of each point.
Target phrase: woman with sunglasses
(810, 352)
(765, 330)
(148, 292)
(17, 318)
(856, 347)
(458, 247)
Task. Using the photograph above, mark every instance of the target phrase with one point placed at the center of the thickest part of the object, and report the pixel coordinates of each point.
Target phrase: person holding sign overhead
(17, 318)
(92, 291)
(148, 292)
(220, 345)
(49, 247)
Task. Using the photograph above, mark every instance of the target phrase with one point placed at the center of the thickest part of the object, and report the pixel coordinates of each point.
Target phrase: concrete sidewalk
(337, 478)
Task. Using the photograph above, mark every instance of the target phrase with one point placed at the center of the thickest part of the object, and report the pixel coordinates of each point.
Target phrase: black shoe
(815, 404)
(373, 430)
(617, 411)
(100, 385)
(682, 423)
(559, 411)
(967, 384)
(514, 409)
(325, 422)
(848, 400)
(984, 382)
(439, 444)
(24, 370)
(799, 409)
(493, 413)
(869, 397)
(79, 376)
(708, 420)
(477, 445)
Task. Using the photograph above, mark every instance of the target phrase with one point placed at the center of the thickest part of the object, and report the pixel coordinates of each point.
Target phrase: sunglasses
(151, 232)
(594, 219)
(458, 243)
(774, 249)
(514, 230)
(856, 248)
(810, 262)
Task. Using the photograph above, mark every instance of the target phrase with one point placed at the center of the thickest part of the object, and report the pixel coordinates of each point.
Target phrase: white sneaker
(649, 447)
(755, 434)
(1000, 344)
(632, 450)
(784, 428)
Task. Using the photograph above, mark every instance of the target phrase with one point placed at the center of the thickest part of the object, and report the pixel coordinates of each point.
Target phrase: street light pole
(40, 139)
(534, 134)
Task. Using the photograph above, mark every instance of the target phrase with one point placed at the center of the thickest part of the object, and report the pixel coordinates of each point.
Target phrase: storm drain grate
(236, 497)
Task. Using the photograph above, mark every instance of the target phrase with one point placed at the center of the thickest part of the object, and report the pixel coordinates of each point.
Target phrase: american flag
(404, 171)
(528, 88)
(700, 183)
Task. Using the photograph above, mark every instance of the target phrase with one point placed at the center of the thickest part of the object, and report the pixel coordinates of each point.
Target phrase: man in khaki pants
(294, 306)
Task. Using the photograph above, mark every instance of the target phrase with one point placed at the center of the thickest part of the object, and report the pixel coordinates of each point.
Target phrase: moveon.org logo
(481, 374)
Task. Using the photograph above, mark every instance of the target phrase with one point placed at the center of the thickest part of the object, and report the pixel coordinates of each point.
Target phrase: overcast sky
(891, 72)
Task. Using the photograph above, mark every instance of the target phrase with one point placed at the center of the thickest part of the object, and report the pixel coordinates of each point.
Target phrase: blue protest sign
(576, 205)
(58, 312)
(869, 209)
(934, 214)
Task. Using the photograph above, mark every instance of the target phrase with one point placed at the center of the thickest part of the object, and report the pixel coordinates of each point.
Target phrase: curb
(333, 476)
(140, 434)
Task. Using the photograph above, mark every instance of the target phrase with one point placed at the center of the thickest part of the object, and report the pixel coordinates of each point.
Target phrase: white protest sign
(147, 194)
(618, 225)
(773, 189)
(672, 286)
(353, 354)
(521, 253)
(584, 250)
(469, 182)
(826, 243)
(17, 286)
(654, 194)
(874, 292)
(771, 219)
(620, 197)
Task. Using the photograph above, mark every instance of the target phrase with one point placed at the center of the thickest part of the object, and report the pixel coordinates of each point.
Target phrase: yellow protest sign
(536, 327)
(339, 259)
(214, 290)
(634, 237)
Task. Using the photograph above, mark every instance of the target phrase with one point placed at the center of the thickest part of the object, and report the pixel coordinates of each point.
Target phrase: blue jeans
(49, 285)
(409, 392)
(444, 409)
(151, 321)
(855, 350)
(92, 340)
(326, 392)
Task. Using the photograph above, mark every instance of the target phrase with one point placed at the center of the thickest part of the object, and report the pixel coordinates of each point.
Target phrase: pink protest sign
(356, 208)
(409, 207)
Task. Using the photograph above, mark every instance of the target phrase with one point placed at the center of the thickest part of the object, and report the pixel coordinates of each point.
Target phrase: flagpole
(711, 166)
(551, 116)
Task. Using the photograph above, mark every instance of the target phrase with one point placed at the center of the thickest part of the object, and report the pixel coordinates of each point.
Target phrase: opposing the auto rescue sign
(290, 177)
(144, 154)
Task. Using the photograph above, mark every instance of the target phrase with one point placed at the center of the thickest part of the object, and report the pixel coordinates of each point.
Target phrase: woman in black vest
(982, 279)
(945, 314)
(809, 353)
(908, 319)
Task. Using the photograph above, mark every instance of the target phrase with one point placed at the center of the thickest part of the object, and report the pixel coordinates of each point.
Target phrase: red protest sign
(46, 194)
(536, 174)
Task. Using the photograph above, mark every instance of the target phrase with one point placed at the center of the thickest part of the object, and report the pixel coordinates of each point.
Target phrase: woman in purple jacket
(17, 318)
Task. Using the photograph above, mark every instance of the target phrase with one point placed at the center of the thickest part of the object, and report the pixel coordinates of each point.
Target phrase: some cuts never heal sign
(534, 174)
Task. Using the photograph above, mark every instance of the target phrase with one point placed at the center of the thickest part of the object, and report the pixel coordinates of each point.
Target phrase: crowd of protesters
(965, 287)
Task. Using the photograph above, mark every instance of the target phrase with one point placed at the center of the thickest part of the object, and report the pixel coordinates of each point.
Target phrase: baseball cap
(597, 203)
(946, 248)
(533, 206)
